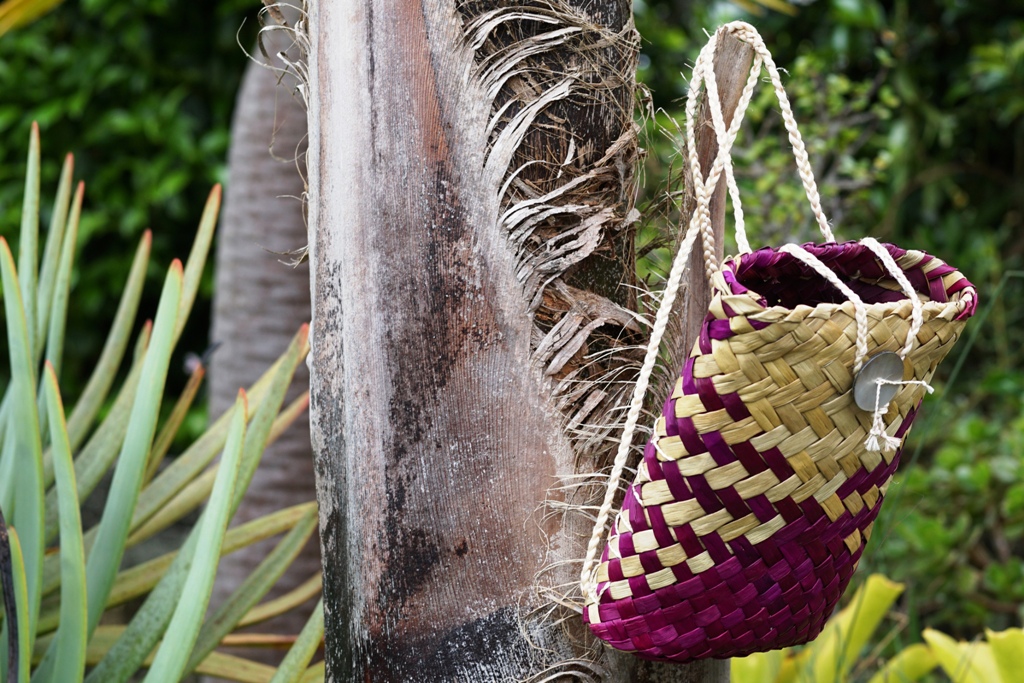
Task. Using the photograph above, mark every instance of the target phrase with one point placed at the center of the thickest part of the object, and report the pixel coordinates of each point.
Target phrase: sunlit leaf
(761, 667)
(829, 658)
(17, 13)
(962, 662)
(295, 662)
(1008, 651)
(105, 554)
(909, 665)
(173, 654)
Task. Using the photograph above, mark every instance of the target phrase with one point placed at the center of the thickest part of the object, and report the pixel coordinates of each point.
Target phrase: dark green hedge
(142, 93)
(940, 168)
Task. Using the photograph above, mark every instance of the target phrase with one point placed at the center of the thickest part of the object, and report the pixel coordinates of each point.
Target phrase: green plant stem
(297, 659)
(106, 553)
(173, 655)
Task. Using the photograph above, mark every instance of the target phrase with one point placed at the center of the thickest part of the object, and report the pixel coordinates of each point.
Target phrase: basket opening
(785, 281)
(813, 290)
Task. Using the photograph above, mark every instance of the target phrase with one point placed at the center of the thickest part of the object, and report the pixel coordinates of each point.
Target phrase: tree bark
(438, 441)
(435, 444)
(436, 416)
(260, 301)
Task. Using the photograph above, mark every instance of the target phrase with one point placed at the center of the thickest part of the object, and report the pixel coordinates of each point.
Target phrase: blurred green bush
(914, 111)
(914, 117)
(141, 93)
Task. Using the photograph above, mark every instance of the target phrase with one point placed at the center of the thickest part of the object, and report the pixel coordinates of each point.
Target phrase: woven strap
(700, 223)
(878, 439)
(704, 71)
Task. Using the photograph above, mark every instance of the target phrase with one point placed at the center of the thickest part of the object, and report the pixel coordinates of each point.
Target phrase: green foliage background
(914, 109)
(915, 113)
(141, 93)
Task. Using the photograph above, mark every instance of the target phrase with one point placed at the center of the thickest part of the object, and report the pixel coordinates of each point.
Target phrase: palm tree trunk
(438, 440)
(259, 302)
(471, 173)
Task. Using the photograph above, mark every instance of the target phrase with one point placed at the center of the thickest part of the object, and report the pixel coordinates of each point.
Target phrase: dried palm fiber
(759, 486)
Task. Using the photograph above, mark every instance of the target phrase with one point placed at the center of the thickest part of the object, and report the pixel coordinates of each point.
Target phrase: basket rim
(930, 309)
(960, 301)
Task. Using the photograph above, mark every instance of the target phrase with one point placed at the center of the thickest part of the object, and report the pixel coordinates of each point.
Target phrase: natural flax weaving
(757, 491)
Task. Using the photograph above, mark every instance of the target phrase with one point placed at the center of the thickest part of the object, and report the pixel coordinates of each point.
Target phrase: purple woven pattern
(755, 495)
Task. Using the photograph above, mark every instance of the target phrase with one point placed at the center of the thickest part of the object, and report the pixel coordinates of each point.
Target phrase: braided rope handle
(917, 314)
(700, 224)
(704, 70)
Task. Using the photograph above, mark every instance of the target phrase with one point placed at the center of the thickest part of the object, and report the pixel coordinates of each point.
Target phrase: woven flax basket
(756, 495)
(757, 491)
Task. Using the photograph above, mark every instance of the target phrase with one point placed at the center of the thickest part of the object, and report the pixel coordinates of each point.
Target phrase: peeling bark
(438, 445)
(471, 180)
(561, 87)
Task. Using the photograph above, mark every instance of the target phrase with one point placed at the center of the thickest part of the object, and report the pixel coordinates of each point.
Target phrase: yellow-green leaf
(760, 667)
(909, 665)
(17, 13)
(962, 662)
(1008, 651)
(830, 658)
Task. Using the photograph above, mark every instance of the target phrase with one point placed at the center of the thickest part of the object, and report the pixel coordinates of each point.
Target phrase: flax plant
(64, 586)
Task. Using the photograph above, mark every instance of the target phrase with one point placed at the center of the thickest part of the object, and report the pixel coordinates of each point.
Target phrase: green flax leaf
(100, 451)
(295, 662)
(105, 554)
(28, 243)
(251, 591)
(173, 655)
(197, 258)
(57, 303)
(149, 622)
(64, 661)
(54, 239)
(18, 670)
(95, 393)
(27, 513)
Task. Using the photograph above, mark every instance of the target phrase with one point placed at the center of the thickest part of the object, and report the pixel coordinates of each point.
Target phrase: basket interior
(782, 280)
